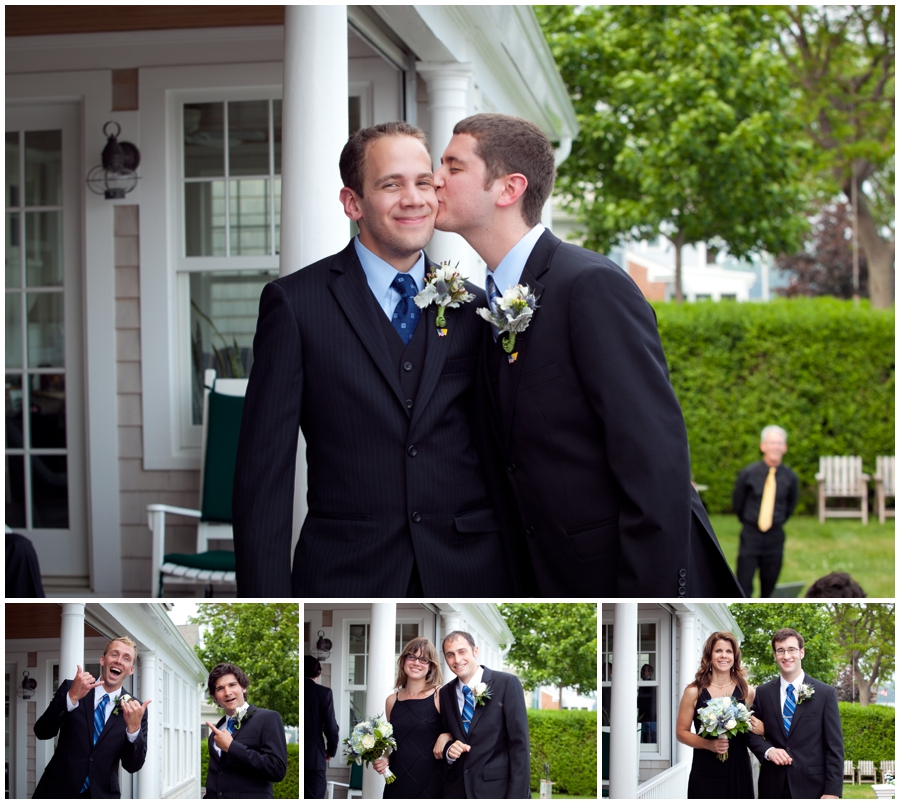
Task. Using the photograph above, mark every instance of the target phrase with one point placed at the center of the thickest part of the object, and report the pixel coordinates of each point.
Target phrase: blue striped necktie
(99, 723)
(468, 708)
(493, 300)
(229, 724)
(406, 314)
(789, 707)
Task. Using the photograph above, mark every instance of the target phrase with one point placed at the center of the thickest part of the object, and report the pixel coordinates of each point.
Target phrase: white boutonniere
(444, 287)
(123, 698)
(513, 315)
(240, 715)
(482, 694)
(804, 693)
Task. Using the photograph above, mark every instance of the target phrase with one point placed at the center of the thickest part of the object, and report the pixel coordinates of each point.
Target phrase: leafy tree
(842, 63)
(865, 634)
(685, 123)
(759, 621)
(264, 641)
(555, 644)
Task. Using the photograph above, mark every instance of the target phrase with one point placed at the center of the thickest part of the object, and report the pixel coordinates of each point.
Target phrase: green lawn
(813, 550)
(858, 791)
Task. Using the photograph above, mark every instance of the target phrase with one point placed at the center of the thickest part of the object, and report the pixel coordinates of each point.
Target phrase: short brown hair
(353, 157)
(512, 145)
(458, 635)
(420, 646)
(224, 669)
(125, 641)
(783, 634)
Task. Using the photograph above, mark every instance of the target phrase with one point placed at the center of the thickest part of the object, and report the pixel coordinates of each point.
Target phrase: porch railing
(671, 783)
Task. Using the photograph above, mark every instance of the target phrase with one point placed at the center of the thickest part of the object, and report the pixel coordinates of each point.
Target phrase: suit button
(416, 517)
(682, 573)
(409, 404)
(412, 451)
(529, 531)
(511, 468)
(407, 366)
(682, 582)
(682, 592)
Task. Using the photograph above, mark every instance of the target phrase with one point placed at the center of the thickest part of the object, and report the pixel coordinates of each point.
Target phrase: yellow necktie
(767, 504)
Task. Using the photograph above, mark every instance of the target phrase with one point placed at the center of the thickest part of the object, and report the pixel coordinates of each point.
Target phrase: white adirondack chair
(884, 486)
(842, 476)
(849, 771)
(866, 772)
(887, 769)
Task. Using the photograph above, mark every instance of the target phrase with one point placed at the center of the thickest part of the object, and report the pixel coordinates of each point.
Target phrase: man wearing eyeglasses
(802, 752)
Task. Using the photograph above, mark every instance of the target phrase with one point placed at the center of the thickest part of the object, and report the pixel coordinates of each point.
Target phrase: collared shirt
(225, 726)
(461, 699)
(783, 694)
(380, 274)
(114, 696)
(508, 273)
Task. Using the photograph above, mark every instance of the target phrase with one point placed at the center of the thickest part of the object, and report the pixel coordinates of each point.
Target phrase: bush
(822, 369)
(289, 787)
(868, 731)
(567, 740)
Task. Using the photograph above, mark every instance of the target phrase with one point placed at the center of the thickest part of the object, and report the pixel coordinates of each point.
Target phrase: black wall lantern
(115, 176)
(323, 647)
(29, 685)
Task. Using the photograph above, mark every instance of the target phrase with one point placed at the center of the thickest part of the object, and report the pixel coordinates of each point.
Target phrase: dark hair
(353, 157)
(458, 635)
(783, 633)
(312, 667)
(704, 674)
(512, 145)
(224, 669)
(837, 584)
(420, 646)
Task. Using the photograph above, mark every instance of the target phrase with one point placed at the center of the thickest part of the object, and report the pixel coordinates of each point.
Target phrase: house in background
(114, 307)
(358, 645)
(46, 641)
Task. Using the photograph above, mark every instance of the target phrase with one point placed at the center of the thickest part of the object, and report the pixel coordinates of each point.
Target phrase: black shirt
(748, 490)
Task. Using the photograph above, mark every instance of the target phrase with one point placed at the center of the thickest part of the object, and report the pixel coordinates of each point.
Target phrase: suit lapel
(799, 709)
(110, 722)
(777, 708)
(88, 702)
(454, 695)
(486, 676)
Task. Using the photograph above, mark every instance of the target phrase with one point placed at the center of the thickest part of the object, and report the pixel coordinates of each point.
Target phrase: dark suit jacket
(255, 760)
(593, 441)
(390, 478)
(76, 755)
(498, 764)
(815, 743)
(318, 719)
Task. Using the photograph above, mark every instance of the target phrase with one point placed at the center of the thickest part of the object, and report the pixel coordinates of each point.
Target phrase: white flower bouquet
(371, 739)
(723, 717)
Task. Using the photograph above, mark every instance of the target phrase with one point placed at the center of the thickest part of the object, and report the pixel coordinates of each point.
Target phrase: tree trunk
(678, 242)
(879, 253)
(560, 696)
(865, 689)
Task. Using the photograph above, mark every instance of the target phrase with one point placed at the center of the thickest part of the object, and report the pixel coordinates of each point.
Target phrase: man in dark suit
(318, 721)
(484, 712)
(247, 747)
(397, 502)
(99, 726)
(594, 445)
(802, 752)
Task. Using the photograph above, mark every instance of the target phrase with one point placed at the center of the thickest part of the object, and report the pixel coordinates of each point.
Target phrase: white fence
(671, 783)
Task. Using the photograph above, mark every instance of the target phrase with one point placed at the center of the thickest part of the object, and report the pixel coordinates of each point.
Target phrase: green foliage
(820, 368)
(865, 633)
(288, 787)
(868, 732)
(264, 641)
(567, 740)
(555, 644)
(759, 621)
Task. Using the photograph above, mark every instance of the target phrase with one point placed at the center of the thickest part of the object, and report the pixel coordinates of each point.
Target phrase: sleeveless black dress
(711, 778)
(417, 724)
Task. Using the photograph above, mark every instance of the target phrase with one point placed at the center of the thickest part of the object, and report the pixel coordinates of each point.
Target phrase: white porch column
(687, 667)
(379, 678)
(314, 130)
(149, 778)
(448, 103)
(623, 745)
(71, 640)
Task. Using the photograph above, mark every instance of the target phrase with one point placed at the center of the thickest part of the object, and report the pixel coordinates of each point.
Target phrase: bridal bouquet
(371, 739)
(723, 717)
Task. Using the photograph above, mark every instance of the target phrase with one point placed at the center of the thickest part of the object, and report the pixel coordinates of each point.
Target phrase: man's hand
(134, 713)
(458, 749)
(778, 756)
(829, 796)
(82, 684)
(222, 737)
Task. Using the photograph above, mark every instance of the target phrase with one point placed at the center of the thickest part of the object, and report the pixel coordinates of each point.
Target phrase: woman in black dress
(720, 676)
(414, 712)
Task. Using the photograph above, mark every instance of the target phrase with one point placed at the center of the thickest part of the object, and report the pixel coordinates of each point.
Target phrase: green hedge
(567, 740)
(822, 369)
(868, 731)
(289, 787)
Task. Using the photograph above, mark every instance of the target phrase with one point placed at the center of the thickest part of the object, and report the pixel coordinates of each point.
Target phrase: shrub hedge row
(289, 787)
(567, 740)
(821, 368)
(868, 731)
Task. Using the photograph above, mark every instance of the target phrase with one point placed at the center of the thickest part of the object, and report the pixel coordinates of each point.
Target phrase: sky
(181, 610)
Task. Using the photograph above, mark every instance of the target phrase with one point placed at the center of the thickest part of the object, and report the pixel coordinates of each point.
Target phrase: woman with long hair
(414, 712)
(720, 676)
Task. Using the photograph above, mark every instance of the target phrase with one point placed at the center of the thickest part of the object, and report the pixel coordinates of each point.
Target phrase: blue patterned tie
(789, 707)
(229, 724)
(468, 708)
(406, 314)
(99, 723)
(493, 300)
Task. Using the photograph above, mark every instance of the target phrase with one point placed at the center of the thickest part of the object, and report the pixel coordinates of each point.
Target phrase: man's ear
(350, 202)
(514, 185)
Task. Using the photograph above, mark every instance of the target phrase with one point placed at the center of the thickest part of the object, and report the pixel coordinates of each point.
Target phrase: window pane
(15, 490)
(12, 169)
(204, 219)
(13, 251)
(224, 310)
(47, 410)
(357, 706)
(647, 636)
(43, 255)
(46, 346)
(49, 491)
(13, 330)
(276, 116)
(14, 437)
(354, 110)
(43, 168)
(249, 208)
(204, 139)
(248, 138)
(647, 713)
